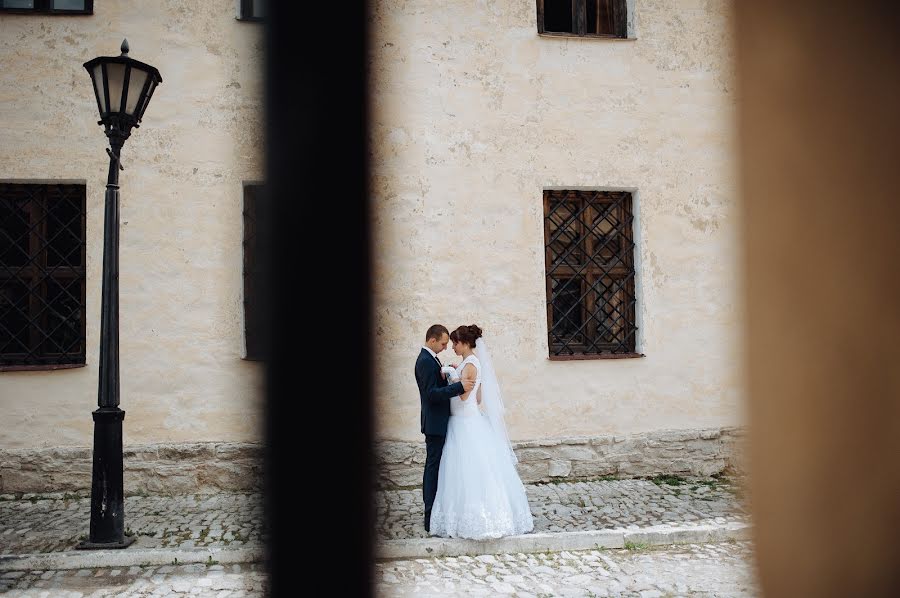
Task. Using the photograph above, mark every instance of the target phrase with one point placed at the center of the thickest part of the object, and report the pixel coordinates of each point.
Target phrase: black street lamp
(123, 88)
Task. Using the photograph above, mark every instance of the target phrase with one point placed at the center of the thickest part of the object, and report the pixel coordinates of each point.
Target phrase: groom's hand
(467, 384)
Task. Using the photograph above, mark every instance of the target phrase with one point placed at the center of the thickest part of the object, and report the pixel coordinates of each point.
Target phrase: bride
(479, 493)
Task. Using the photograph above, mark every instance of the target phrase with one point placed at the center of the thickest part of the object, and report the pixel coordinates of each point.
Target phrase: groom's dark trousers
(434, 396)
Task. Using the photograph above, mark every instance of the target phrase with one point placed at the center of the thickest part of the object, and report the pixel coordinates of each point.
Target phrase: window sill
(41, 368)
(250, 19)
(611, 38)
(596, 356)
(44, 13)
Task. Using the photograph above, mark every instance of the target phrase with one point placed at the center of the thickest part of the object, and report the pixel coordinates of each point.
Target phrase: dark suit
(434, 396)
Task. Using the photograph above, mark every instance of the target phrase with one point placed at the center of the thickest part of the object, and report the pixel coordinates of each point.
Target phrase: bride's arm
(468, 373)
(433, 392)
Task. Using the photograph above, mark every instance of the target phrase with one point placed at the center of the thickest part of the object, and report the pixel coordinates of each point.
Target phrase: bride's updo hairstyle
(466, 334)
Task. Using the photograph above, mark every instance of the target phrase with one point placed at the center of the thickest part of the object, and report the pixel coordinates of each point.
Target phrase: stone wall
(473, 115)
(184, 468)
(209, 467)
(698, 452)
(183, 378)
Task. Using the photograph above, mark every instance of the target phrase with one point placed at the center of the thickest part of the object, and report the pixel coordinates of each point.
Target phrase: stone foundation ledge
(210, 467)
(158, 469)
(660, 535)
(693, 452)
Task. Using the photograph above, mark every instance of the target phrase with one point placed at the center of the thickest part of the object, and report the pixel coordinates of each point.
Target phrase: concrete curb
(128, 557)
(657, 535)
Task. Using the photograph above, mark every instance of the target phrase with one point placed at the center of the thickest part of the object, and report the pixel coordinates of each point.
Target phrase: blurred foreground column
(819, 84)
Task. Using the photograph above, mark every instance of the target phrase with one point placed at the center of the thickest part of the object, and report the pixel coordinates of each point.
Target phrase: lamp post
(123, 88)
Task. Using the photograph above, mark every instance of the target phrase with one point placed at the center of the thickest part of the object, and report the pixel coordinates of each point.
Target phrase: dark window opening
(558, 15)
(42, 275)
(591, 303)
(253, 10)
(595, 18)
(255, 211)
(54, 7)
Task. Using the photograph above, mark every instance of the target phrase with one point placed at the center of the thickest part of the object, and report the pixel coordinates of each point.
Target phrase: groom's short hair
(437, 331)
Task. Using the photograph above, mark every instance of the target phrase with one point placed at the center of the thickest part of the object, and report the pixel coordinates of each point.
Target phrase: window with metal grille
(53, 7)
(42, 275)
(589, 18)
(254, 284)
(590, 274)
(253, 10)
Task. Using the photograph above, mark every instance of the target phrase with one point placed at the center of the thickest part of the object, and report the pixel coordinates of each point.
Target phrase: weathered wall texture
(182, 376)
(670, 452)
(209, 467)
(180, 468)
(473, 115)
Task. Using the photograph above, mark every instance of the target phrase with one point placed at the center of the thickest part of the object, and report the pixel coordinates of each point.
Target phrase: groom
(434, 395)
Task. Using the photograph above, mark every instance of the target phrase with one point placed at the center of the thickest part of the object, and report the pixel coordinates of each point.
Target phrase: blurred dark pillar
(819, 85)
(318, 408)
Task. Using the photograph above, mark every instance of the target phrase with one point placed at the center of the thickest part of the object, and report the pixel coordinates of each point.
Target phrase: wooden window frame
(579, 20)
(37, 272)
(45, 7)
(583, 259)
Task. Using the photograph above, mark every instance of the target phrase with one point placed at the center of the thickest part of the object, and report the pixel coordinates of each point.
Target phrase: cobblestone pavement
(581, 506)
(724, 570)
(56, 522)
(203, 581)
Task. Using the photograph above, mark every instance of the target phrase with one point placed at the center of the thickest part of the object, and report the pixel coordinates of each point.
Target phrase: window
(253, 10)
(56, 7)
(42, 275)
(590, 274)
(590, 18)
(254, 260)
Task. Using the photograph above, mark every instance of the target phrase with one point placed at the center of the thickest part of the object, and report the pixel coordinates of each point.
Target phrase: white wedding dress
(479, 492)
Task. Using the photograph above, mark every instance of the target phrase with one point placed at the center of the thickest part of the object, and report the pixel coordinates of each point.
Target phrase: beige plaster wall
(182, 376)
(473, 115)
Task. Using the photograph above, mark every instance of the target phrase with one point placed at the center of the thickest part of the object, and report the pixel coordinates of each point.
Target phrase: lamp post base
(107, 528)
(87, 545)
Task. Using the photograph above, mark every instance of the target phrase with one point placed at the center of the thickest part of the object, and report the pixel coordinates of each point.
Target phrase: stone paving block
(690, 570)
(57, 523)
(593, 505)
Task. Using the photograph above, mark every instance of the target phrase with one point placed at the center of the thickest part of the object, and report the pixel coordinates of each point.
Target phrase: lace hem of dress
(481, 525)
